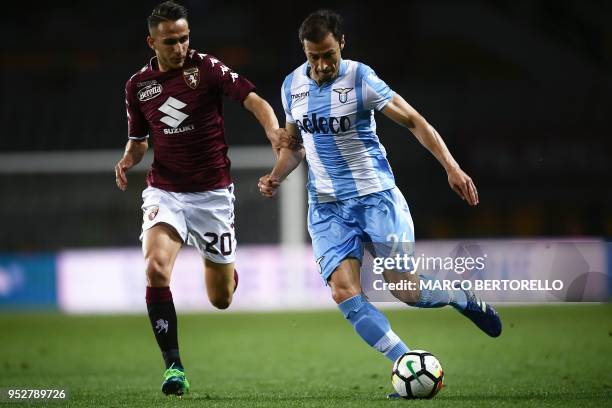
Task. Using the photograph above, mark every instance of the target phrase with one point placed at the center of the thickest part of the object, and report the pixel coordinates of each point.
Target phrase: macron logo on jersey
(171, 108)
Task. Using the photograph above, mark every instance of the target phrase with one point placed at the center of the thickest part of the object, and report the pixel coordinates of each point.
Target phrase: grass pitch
(547, 356)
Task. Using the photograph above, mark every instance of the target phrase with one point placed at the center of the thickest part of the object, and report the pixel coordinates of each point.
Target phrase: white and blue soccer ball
(417, 374)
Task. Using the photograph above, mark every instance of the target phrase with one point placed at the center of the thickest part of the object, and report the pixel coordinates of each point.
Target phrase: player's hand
(280, 139)
(463, 185)
(268, 185)
(121, 167)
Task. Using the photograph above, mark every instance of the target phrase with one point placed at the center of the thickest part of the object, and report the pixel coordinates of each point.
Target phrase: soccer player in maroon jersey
(176, 99)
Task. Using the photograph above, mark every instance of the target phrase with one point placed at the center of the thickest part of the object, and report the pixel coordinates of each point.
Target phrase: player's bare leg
(160, 245)
(371, 325)
(221, 281)
(345, 281)
(409, 296)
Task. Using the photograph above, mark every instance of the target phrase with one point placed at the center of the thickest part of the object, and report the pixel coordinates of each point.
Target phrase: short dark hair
(166, 11)
(318, 24)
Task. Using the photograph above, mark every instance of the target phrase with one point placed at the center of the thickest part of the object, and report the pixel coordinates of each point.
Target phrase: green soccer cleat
(175, 382)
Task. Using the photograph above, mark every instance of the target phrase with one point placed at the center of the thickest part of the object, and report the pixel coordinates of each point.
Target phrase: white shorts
(204, 220)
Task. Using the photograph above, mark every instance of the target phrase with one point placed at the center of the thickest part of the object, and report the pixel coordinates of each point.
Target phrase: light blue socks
(373, 326)
(430, 298)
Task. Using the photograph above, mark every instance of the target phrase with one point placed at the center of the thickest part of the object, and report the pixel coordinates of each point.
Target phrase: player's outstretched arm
(134, 152)
(288, 160)
(401, 112)
(264, 113)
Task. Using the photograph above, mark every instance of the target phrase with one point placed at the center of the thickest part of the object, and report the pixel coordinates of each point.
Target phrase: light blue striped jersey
(336, 122)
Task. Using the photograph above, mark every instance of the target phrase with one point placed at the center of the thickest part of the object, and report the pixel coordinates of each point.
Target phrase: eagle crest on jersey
(192, 77)
(343, 93)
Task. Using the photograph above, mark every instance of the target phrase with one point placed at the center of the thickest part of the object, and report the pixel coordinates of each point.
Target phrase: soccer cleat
(482, 314)
(175, 382)
(394, 395)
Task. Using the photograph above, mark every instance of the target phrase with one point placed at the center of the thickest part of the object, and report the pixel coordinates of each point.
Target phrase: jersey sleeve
(376, 93)
(286, 99)
(138, 128)
(230, 84)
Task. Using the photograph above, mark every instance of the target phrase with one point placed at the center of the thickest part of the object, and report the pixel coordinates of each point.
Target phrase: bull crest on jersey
(153, 213)
(192, 77)
(343, 94)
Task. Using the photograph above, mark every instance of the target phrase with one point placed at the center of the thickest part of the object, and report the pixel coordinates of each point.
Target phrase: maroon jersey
(182, 110)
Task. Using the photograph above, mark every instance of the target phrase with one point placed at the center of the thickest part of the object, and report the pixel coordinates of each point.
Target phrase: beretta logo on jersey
(149, 92)
(192, 77)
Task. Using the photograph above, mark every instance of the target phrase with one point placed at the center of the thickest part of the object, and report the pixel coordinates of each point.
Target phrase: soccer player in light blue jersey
(329, 104)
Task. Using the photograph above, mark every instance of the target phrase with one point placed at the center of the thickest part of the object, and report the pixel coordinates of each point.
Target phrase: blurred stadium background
(520, 91)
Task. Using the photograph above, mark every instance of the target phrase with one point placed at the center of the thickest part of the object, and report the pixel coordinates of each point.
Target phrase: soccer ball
(417, 374)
